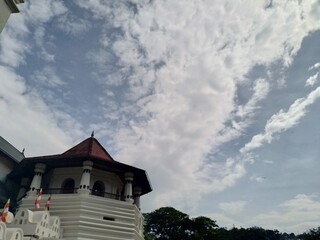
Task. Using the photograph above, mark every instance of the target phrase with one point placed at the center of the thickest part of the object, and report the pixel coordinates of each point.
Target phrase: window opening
(68, 186)
(98, 188)
(108, 219)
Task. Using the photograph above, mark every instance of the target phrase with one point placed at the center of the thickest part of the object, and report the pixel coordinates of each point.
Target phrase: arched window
(68, 186)
(98, 188)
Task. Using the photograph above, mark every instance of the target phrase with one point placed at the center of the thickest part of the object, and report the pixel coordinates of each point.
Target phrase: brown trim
(13, 7)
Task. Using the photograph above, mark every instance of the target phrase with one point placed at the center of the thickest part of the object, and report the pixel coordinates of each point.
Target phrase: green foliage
(167, 223)
(253, 233)
(312, 234)
(203, 228)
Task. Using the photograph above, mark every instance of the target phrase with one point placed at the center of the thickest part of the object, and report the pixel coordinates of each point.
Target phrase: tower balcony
(92, 216)
(54, 191)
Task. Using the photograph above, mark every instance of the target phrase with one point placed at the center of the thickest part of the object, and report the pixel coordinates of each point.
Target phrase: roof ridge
(90, 147)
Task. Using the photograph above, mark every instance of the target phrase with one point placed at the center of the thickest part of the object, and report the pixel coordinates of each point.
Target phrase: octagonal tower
(95, 196)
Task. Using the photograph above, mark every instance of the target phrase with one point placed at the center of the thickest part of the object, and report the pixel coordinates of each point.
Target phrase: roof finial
(23, 151)
(92, 134)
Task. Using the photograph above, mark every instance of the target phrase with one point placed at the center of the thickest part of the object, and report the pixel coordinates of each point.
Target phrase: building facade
(7, 7)
(92, 195)
(9, 158)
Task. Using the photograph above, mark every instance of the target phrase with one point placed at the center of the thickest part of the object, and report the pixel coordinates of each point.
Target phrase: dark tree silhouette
(167, 223)
(312, 234)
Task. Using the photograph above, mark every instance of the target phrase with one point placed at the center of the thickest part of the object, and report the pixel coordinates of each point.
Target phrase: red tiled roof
(88, 148)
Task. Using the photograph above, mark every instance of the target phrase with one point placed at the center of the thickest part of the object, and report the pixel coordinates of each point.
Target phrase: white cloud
(244, 113)
(47, 77)
(24, 114)
(295, 215)
(232, 208)
(70, 24)
(40, 12)
(225, 221)
(39, 35)
(260, 90)
(312, 80)
(282, 121)
(268, 161)
(12, 46)
(182, 62)
(315, 66)
(177, 66)
(258, 179)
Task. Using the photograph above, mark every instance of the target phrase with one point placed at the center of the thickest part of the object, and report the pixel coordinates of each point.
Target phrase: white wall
(111, 181)
(59, 175)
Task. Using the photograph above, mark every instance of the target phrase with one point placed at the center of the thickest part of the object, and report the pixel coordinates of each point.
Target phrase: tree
(312, 234)
(203, 228)
(167, 223)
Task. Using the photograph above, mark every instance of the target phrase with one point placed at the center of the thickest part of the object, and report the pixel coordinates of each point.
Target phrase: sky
(216, 99)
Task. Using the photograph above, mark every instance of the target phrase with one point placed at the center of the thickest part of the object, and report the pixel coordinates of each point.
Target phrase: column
(84, 187)
(128, 177)
(37, 178)
(136, 194)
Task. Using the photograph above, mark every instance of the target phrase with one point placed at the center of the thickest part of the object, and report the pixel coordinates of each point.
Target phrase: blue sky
(217, 100)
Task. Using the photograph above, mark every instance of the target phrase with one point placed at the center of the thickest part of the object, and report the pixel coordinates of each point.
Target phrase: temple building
(92, 195)
(9, 158)
(36, 224)
(10, 233)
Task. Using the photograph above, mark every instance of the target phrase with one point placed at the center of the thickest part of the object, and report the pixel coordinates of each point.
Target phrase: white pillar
(136, 194)
(84, 187)
(37, 178)
(128, 177)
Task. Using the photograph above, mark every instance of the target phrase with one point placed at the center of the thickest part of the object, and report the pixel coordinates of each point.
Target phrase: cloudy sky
(216, 99)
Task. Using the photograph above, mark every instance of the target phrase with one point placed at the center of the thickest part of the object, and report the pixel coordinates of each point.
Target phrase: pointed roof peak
(89, 148)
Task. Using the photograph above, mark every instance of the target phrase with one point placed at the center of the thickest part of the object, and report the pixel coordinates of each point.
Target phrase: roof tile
(88, 148)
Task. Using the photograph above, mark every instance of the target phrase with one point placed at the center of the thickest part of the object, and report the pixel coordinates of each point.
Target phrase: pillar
(136, 194)
(128, 177)
(37, 178)
(84, 187)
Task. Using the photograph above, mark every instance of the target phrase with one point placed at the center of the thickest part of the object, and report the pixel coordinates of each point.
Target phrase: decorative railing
(107, 195)
(59, 190)
(74, 190)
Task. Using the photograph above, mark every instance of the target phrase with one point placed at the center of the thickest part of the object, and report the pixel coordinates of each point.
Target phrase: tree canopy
(167, 223)
(312, 234)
